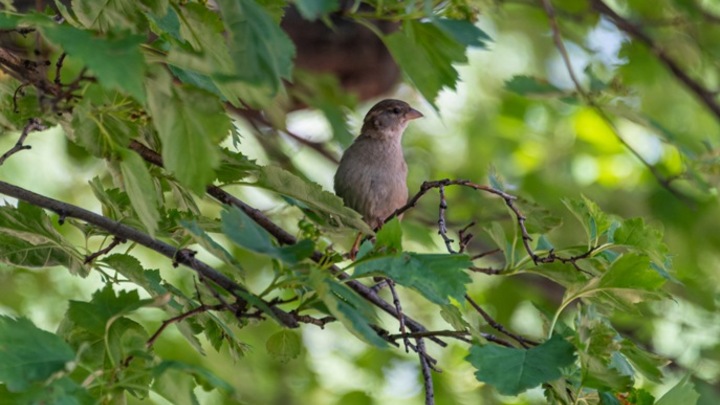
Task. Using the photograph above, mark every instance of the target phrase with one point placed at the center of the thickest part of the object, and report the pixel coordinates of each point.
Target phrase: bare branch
(33, 125)
(427, 374)
(703, 94)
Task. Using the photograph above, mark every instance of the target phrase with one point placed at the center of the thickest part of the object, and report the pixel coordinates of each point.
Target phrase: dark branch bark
(182, 256)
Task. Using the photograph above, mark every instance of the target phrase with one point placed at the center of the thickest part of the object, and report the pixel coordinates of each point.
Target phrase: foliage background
(547, 146)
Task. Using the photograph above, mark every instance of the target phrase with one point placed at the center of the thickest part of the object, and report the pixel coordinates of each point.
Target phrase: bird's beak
(413, 114)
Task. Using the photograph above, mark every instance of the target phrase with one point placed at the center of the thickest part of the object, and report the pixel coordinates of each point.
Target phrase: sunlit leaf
(682, 393)
(28, 239)
(141, 190)
(284, 345)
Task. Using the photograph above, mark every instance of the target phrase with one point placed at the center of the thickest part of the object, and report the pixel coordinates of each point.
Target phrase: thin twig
(703, 94)
(427, 374)
(285, 238)
(524, 342)
(32, 126)
(181, 256)
(560, 45)
(442, 226)
(202, 308)
(116, 241)
(398, 308)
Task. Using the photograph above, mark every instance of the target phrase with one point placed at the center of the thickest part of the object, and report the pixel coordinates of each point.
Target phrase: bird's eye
(396, 110)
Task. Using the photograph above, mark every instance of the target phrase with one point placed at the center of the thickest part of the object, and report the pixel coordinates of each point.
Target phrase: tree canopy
(169, 232)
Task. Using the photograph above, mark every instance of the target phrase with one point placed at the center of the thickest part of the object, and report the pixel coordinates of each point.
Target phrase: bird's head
(388, 119)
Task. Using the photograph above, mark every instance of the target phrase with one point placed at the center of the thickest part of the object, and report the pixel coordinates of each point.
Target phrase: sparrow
(372, 175)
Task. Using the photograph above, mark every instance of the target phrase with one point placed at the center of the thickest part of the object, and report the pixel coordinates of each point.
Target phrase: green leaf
(312, 9)
(347, 307)
(648, 364)
(204, 240)
(140, 188)
(201, 375)
(592, 218)
(632, 271)
(288, 184)
(130, 267)
(176, 387)
(682, 393)
(262, 52)
(245, 233)
(101, 55)
(426, 53)
(512, 371)
(29, 354)
(191, 122)
(284, 345)
(636, 235)
(437, 277)
(528, 86)
(54, 391)
(463, 31)
(28, 239)
(110, 15)
(324, 92)
(103, 129)
(389, 238)
(452, 315)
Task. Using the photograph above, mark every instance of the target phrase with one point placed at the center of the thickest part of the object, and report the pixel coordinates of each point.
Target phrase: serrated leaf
(463, 31)
(28, 239)
(347, 307)
(512, 371)
(103, 130)
(528, 85)
(682, 393)
(438, 277)
(595, 222)
(29, 354)
(634, 272)
(55, 391)
(130, 267)
(101, 56)
(176, 387)
(261, 51)
(648, 364)
(110, 14)
(636, 235)
(245, 233)
(284, 345)
(191, 122)
(285, 183)
(426, 54)
(141, 190)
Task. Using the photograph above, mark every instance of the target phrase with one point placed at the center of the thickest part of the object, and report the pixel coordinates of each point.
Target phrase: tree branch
(705, 96)
(182, 256)
(32, 126)
(285, 238)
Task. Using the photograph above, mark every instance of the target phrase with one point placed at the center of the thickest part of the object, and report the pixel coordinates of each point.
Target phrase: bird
(372, 175)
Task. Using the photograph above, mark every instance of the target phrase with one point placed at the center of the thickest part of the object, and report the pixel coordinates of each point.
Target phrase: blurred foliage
(595, 249)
